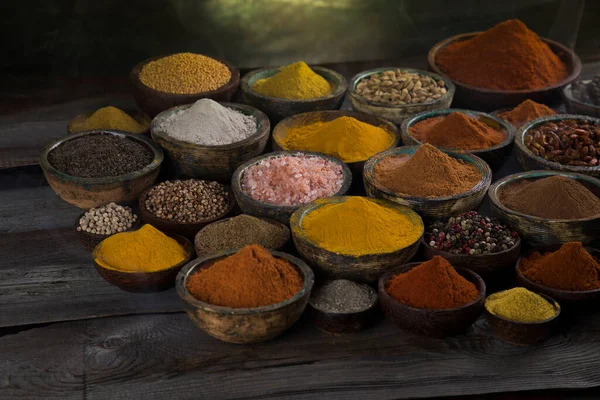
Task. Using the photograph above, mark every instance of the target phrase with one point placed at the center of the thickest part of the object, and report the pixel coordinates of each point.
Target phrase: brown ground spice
(525, 112)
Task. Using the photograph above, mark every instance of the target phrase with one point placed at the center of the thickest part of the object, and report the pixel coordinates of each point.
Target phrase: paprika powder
(525, 112)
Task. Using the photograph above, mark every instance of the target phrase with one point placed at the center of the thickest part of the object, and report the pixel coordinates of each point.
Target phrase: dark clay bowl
(244, 325)
(213, 163)
(438, 323)
(495, 156)
(278, 108)
(476, 98)
(154, 101)
(91, 240)
(146, 282)
(366, 268)
(538, 231)
(530, 161)
(434, 207)
(140, 116)
(524, 333)
(87, 193)
(578, 107)
(272, 211)
(397, 113)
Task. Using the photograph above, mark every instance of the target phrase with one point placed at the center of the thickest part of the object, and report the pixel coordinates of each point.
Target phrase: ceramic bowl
(140, 116)
(91, 240)
(578, 107)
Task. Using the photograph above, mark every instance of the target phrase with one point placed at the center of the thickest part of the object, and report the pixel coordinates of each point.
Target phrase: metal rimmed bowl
(244, 325)
(213, 163)
(492, 99)
(575, 106)
(278, 108)
(430, 207)
(530, 161)
(397, 113)
(93, 192)
(495, 156)
(141, 117)
(542, 231)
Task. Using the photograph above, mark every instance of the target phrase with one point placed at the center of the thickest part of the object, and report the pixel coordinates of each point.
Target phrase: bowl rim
(135, 226)
(157, 153)
(338, 91)
(549, 299)
(482, 185)
(132, 112)
(573, 63)
(497, 187)
(263, 126)
(568, 95)
(450, 87)
(347, 313)
(443, 253)
(308, 280)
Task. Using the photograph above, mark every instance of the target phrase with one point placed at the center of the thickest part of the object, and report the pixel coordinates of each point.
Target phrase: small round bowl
(272, 211)
(87, 193)
(154, 101)
(538, 231)
(91, 240)
(213, 163)
(530, 161)
(278, 108)
(141, 117)
(244, 325)
(434, 207)
(437, 323)
(187, 229)
(397, 113)
(523, 333)
(146, 282)
(578, 107)
(366, 268)
(476, 98)
(495, 156)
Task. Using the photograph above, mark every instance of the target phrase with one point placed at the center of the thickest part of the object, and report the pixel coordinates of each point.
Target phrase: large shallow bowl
(476, 98)
(434, 207)
(541, 231)
(93, 192)
(575, 106)
(244, 325)
(140, 116)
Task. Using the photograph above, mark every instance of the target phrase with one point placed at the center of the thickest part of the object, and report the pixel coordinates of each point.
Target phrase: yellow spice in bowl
(520, 305)
(109, 118)
(294, 82)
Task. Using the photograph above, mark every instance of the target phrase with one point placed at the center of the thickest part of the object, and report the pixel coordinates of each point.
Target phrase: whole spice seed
(400, 87)
(342, 296)
(587, 92)
(188, 201)
(569, 142)
(107, 220)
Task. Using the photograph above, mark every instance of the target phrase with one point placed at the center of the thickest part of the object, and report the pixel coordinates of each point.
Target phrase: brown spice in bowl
(525, 112)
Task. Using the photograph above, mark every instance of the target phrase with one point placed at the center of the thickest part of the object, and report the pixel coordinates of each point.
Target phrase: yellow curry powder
(144, 250)
(295, 82)
(359, 226)
(110, 118)
(521, 305)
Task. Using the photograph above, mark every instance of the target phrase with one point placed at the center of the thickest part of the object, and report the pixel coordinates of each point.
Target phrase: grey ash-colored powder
(342, 296)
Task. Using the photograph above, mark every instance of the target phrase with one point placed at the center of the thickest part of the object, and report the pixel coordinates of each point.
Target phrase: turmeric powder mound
(110, 118)
(295, 82)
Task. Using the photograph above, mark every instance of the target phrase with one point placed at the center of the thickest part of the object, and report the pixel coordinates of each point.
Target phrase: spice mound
(432, 285)
(457, 131)
(400, 87)
(294, 82)
(570, 268)
(144, 250)
(250, 278)
(520, 305)
(292, 180)
(207, 123)
(100, 155)
(238, 232)
(470, 233)
(525, 112)
(107, 220)
(509, 56)
(556, 197)
(427, 173)
(185, 73)
(587, 91)
(346, 138)
(359, 226)
(110, 118)
(342, 296)
(188, 201)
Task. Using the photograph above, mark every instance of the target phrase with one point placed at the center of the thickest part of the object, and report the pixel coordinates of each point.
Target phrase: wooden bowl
(578, 107)
(146, 282)
(87, 193)
(272, 211)
(523, 333)
(366, 268)
(538, 231)
(530, 161)
(438, 323)
(476, 98)
(189, 230)
(91, 240)
(434, 207)
(494, 156)
(244, 325)
(279, 108)
(213, 163)
(141, 117)
(154, 101)
(397, 113)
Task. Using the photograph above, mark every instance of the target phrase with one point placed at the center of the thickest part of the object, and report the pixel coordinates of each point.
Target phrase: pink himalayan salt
(292, 180)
